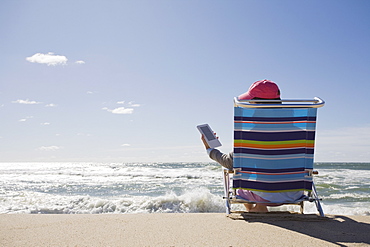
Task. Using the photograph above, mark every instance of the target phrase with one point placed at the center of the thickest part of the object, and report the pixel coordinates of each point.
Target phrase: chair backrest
(274, 147)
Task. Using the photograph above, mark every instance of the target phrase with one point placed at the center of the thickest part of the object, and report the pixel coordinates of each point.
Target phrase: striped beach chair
(273, 150)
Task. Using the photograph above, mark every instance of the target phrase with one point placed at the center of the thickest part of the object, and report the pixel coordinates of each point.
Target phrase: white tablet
(209, 135)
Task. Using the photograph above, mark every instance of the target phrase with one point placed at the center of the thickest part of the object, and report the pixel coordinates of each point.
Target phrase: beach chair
(273, 150)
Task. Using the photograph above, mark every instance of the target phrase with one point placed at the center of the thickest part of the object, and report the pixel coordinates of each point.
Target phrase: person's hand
(205, 142)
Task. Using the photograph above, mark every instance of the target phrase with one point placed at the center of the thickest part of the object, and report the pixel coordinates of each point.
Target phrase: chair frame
(311, 196)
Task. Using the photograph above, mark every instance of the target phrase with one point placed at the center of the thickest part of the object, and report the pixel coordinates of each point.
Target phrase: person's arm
(226, 160)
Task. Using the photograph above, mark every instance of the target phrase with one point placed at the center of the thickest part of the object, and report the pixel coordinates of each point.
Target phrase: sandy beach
(199, 229)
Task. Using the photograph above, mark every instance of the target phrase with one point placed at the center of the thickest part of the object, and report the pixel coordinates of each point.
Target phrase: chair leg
(228, 208)
(302, 207)
(319, 208)
(317, 201)
(227, 191)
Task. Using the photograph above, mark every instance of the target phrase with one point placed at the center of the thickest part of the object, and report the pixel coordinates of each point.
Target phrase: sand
(199, 229)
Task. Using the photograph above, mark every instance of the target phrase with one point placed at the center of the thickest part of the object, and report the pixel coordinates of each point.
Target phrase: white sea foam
(199, 200)
(94, 188)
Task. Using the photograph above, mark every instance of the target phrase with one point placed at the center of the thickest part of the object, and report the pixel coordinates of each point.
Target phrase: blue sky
(128, 81)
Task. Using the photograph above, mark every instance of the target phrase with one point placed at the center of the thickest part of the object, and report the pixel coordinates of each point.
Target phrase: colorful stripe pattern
(273, 148)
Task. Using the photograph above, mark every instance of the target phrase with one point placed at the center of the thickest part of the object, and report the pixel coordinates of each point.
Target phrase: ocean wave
(97, 188)
(200, 200)
(195, 201)
(343, 165)
(348, 197)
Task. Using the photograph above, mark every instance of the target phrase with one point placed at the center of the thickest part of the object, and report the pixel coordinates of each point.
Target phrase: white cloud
(133, 105)
(84, 134)
(49, 148)
(49, 59)
(46, 123)
(26, 102)
(80, 62)
(31, 102)
(25, 119)
(126, 145)
(120, 110)
(51, 105)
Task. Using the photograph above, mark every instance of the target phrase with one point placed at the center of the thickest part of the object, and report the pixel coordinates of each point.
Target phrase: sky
(128, 81)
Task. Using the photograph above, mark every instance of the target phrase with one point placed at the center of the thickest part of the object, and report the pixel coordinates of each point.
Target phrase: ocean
(100, 188)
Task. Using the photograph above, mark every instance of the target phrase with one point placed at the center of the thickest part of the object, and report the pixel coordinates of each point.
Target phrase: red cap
(264, 89)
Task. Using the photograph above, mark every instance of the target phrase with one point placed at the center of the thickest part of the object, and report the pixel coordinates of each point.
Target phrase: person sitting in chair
(264, 89)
